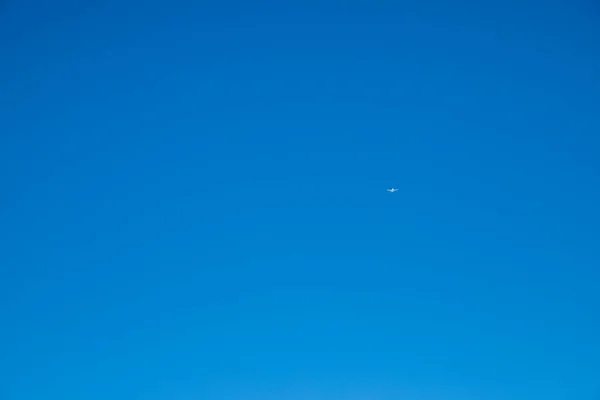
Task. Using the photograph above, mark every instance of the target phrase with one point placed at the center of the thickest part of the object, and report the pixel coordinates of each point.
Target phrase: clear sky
(193, 204)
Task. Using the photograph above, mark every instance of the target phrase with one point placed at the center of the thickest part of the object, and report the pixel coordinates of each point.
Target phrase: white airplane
(392, 190)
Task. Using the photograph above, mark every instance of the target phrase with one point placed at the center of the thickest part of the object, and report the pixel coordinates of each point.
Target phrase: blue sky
(193, 200)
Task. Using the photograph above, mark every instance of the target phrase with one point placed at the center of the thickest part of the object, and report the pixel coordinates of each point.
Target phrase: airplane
(392, 190)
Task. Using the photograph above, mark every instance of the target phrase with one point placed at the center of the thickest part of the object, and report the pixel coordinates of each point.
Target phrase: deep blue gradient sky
(193, 204)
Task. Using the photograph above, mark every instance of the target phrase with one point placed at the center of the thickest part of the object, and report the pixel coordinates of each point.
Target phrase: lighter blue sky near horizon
(193, 204)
